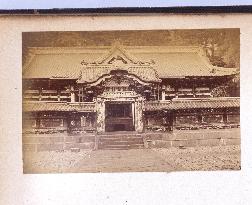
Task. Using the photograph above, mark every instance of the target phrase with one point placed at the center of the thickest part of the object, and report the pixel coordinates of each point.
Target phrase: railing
(201, 92)
(83, 106)
(46, 95)
(31, 95)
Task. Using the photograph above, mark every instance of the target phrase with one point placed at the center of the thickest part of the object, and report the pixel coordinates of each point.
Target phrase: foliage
(220, 91)
(230, 89)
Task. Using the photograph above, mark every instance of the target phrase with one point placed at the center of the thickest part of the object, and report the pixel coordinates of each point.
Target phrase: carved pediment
(117, 59)
(118, 81)
(118, 84)
(117, 55)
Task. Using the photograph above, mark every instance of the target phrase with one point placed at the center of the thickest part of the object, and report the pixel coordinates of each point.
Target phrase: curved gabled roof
(168, 62)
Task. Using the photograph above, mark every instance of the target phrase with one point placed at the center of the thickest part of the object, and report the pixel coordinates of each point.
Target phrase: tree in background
(230, 89)
(221, 45)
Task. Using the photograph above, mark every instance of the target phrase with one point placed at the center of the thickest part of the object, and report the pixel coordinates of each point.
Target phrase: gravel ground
(52, 161)
(172, 159)
(203, 158)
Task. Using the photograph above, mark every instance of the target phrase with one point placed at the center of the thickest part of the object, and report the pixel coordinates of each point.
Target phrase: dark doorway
(118, 117)
(119, 127)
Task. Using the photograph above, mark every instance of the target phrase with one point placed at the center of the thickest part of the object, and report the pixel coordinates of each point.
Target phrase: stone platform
(131, 140)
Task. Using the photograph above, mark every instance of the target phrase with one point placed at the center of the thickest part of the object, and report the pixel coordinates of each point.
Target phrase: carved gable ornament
(118, 59)
(117, 55)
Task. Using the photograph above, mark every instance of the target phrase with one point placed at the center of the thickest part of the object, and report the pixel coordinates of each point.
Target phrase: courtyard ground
(135, 160)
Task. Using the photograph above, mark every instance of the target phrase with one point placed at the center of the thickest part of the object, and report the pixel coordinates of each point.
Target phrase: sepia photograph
(131, 101)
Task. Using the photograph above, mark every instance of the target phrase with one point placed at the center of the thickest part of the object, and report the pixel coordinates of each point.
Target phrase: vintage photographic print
(131, 101)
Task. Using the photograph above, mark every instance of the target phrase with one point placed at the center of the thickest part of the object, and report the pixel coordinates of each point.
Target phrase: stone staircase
(120, 141)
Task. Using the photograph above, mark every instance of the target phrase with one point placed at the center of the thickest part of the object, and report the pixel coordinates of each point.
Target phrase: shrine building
(125, 88)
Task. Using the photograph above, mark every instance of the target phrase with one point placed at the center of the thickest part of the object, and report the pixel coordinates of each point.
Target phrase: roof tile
(58, 106)
(193, 104)
(169, 61)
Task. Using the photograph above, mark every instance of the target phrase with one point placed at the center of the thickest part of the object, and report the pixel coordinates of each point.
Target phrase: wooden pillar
(163, 89)
(171, 119)
(199, 118)
(163, 95)
(176, 91)
(37, 120)
(133, 113)
(40, 94)
(139, 115)
(58, 93)
(72, 94)
(154, 93)
(100, 106)
(193, 89)
(81, 94)
(225, 118)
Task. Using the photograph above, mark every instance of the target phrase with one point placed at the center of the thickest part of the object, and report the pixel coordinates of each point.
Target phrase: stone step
(121, 147)
(121, 142)
(120, 136)
(120, 139)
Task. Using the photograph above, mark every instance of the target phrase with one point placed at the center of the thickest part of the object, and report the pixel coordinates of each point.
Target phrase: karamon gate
(120, 91)
(119, 107)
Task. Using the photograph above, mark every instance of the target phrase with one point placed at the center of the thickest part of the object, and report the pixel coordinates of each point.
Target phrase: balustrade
(46, 95)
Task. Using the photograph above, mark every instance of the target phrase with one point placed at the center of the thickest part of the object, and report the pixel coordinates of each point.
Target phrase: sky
(47, 4)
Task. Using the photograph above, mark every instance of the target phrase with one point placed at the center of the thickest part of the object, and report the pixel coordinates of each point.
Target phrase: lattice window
(53, 122)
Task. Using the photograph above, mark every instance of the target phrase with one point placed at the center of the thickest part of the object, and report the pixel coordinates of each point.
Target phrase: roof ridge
(76, 49)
